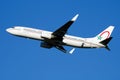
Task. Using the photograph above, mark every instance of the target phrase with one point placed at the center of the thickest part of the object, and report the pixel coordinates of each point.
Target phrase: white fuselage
(68, 40)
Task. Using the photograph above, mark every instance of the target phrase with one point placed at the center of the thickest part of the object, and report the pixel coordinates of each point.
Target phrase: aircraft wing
(56, 41)
(59, 33)
(63, 29)
(61, 48)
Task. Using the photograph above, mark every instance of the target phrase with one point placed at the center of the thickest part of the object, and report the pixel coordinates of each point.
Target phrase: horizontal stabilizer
(107, 48)
(106, 41)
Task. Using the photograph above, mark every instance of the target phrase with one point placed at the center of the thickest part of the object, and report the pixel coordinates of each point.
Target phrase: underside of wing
(46, 45)
(61, 48)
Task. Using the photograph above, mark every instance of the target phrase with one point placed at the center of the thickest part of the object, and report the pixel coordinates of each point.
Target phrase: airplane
(59, 38)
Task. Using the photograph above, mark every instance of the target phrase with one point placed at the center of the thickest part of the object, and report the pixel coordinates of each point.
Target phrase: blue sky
(23, 59)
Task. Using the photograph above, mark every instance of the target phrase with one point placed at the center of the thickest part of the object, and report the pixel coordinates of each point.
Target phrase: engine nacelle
(46, 34)
(45, 45)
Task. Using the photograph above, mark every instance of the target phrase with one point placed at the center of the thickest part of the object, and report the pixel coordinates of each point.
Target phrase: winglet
(71, 51)
(75, 17)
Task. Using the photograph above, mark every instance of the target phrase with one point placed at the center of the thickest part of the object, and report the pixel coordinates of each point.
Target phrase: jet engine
(45, 45)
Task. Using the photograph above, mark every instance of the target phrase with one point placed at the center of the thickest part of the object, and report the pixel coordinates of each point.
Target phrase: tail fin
(104, 35)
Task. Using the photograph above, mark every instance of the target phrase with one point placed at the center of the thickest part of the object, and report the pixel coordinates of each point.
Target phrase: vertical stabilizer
(104, 34)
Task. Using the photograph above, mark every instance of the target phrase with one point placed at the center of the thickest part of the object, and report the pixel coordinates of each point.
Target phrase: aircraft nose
(9, 30)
